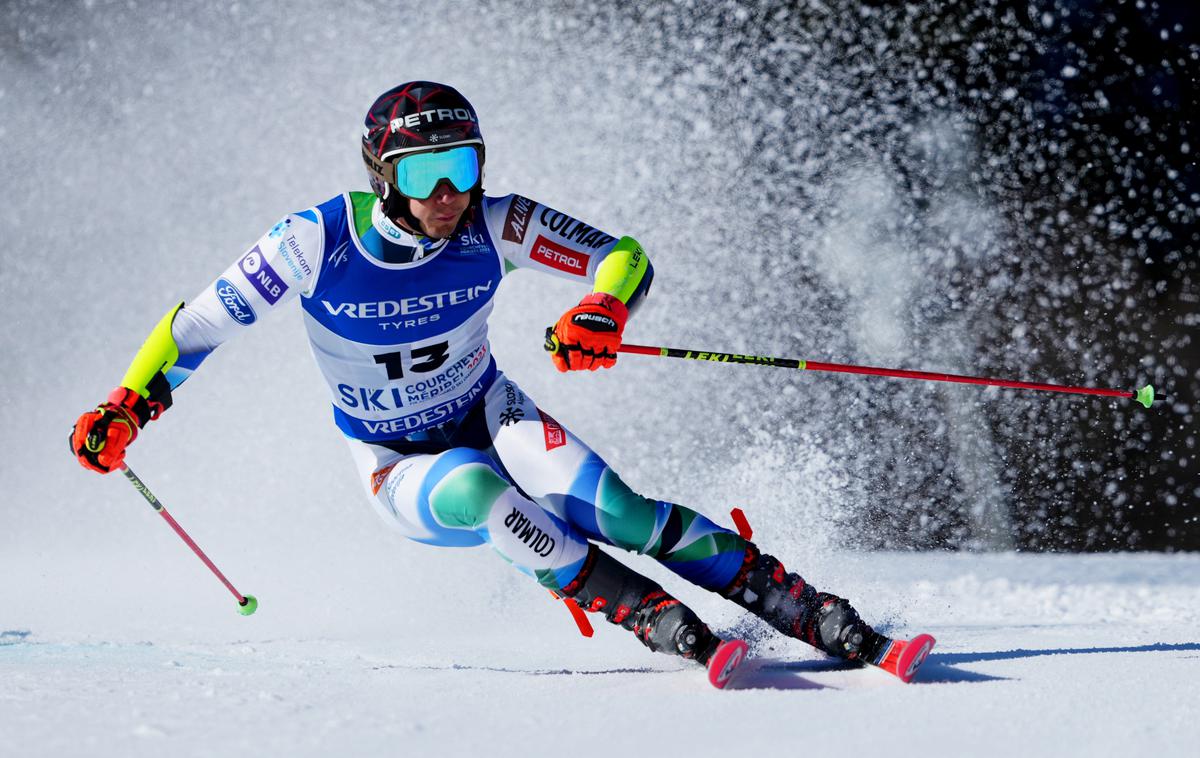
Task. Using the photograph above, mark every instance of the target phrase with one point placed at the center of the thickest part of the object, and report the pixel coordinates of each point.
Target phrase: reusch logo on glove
(597, 322)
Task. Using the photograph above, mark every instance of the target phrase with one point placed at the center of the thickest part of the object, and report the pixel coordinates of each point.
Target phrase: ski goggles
(417, 175)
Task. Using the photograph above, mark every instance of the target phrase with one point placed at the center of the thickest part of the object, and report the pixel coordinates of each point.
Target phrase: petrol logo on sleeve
(559, 257)
(379, 477)
(234, 302)
(260, 274)
(556, 436)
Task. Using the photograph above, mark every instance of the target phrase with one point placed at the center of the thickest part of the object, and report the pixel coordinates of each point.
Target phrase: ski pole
(247, 604)
(1144, 395)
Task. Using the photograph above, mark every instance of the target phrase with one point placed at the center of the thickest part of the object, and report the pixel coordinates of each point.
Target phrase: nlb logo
(559, 257)
(234, 302)
(260, 274)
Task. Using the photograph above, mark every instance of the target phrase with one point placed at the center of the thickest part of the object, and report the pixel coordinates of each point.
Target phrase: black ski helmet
(409, 118)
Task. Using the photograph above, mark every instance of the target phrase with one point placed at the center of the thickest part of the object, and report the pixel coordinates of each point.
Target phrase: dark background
(1080, 119)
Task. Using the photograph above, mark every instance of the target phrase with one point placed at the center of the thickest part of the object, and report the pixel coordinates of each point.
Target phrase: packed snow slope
(144, 146)
(1038, 655)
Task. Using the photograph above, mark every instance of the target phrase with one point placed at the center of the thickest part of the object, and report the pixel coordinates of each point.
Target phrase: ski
(724, 661)
(902, 658)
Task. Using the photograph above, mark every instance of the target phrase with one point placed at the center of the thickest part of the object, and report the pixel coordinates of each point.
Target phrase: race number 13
(420, 360)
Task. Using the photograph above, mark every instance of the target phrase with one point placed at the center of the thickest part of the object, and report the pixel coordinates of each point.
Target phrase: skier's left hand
(589, 334)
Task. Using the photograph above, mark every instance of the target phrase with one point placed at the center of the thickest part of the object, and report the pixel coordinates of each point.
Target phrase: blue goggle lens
(417, 175)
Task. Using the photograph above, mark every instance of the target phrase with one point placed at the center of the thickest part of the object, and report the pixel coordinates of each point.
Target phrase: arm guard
(625, 273)
(147, 374)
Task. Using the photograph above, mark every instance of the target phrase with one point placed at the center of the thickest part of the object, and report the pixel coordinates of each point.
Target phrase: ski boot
(659, 621)
(794, 607)
(630, 600)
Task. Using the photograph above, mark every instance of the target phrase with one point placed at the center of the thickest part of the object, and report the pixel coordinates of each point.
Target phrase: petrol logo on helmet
(437, 114)
(234, 302)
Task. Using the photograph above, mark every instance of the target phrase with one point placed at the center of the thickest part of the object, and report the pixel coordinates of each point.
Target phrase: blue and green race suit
(450, 450)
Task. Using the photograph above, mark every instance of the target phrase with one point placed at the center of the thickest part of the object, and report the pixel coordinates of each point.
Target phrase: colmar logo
(574, 230)
(529, 533)
(559, 257)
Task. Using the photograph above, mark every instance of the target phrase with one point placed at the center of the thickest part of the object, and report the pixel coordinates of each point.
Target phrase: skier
(395, 288)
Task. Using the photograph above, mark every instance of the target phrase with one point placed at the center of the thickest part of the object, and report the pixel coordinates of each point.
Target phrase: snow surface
(174, 135)
(1037, 655)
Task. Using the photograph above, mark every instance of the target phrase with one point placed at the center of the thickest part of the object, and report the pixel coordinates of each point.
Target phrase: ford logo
(234, 302)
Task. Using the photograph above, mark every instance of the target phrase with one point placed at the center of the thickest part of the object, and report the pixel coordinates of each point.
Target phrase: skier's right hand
(101, 435)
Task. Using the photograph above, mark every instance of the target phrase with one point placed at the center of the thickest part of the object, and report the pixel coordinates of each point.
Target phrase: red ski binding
(902, 658)
(724, 661)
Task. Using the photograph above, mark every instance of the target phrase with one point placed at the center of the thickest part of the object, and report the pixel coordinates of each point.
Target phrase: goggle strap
(385, 171)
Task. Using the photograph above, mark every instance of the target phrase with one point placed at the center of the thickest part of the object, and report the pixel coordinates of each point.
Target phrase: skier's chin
(441, 228)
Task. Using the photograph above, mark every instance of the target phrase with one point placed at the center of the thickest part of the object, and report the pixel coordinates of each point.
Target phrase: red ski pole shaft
(247, 603)
(1144, 395)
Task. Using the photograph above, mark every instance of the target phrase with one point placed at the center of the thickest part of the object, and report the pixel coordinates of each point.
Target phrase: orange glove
(589, 334)
(101, 436)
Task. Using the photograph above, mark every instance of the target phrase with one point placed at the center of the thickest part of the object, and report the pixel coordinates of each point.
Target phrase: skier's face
(440, 212)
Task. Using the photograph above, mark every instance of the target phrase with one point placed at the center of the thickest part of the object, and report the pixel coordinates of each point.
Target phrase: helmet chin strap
(395, 207)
